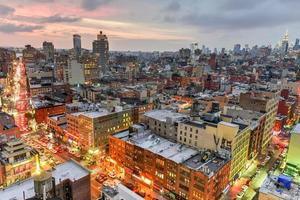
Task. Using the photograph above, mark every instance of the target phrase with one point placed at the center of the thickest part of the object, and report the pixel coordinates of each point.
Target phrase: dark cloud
(241, 4)
(58, 19)
(13, 28)
(93, 4)
(50, 19)
(173, 6)
(6, 10)
(236, 21)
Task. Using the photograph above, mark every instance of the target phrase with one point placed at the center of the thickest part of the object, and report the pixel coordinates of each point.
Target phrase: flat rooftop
(178, 153)
(68, 170)
(121, 192)
(271, 189)
(95, 114)
(162, 115)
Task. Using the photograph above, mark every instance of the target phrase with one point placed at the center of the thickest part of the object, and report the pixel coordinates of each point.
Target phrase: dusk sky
(148, 24)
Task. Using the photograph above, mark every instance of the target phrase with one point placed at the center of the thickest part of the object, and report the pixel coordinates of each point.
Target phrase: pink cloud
(44, 10)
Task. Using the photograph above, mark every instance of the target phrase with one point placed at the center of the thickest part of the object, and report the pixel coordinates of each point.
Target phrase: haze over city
(148, 25)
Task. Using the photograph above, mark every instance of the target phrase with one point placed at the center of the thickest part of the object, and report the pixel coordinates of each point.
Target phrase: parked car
(245, 187)
(240, 195)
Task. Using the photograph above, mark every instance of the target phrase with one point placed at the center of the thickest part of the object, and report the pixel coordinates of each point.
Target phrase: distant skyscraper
(101, 47)
(48, 49)
(77, 45)
(297, 44)
(237, 49)
(285, 42)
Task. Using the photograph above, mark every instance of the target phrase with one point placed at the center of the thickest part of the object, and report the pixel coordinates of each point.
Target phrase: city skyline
(167, 25)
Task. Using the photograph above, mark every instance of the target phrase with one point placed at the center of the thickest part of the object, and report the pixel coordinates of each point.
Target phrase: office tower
(297, 44)
(101, 47)
(48, 49)
(237, 49)
(77, 45)
(285, 43)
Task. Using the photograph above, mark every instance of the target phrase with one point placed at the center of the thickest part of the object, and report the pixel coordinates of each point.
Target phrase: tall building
(297, 44)
(101, 47)
(256, 122)
(74, 72)
(77, 45)
(90, 67)
(285, 42)
(237, 49)
(48, 49)
(265, 102)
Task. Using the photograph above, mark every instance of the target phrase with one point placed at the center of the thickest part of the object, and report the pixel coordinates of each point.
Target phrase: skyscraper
(100, 47)
(285, 42)
(77, 44)
(48, 49)
(297, 44)
(237, 49)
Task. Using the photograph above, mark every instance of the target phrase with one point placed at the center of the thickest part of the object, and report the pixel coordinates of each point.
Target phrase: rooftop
(96, 114)
(178, 153)
(120, 192)
(269, 187)
(162, 115)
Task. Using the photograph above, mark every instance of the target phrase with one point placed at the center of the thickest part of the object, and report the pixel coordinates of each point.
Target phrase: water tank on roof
(285, 181)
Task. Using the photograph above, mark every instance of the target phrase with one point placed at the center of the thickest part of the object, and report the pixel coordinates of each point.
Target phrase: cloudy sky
(148, 24)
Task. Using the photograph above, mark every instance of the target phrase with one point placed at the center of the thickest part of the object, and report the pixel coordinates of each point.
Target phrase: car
(240, 195)
(112, 174)
(245, 187)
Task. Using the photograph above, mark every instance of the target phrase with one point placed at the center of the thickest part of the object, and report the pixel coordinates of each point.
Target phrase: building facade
(265, 102)
(173, 169)
(101, 47)
(18, 162)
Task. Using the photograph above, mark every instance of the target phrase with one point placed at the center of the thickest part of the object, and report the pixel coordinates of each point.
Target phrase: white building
(74, 73)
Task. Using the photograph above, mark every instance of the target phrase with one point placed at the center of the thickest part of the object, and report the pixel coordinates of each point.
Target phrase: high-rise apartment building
(101, 47)
(74, 72)
(48, 49)
(90, 67)
(77, 45)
